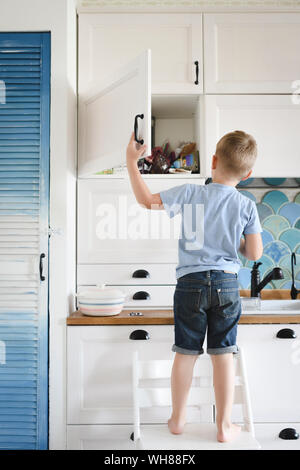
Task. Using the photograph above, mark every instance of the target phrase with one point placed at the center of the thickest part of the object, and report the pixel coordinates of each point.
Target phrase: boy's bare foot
(227, 434)
(175, 427)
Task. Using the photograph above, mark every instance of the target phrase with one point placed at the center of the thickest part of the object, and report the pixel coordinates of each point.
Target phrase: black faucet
(256, 284)
(294, 291)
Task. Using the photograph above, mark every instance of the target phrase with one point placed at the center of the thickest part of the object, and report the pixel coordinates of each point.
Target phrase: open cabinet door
(108, 114)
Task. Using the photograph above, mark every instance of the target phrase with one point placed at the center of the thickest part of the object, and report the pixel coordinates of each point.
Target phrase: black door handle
(286, 333)
(139, 334)
(141, 273)
(141, 116)
(42, 256)
(289, 434)
(197, 72)
(141, 295)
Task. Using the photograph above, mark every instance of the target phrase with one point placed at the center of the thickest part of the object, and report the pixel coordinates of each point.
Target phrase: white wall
(59, 17)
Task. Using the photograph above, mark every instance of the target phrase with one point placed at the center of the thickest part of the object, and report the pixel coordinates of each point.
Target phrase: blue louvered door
(24, 212)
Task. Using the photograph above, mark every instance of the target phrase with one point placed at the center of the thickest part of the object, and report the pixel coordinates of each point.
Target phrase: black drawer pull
(141, 295)
(141, 116)
(141, 273)
(286, 333)
(139, 334)
(289, 434)
(42, 256)
(197, 72)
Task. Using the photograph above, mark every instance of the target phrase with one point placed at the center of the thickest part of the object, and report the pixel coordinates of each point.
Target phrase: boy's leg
(181, 379)
(224, 382)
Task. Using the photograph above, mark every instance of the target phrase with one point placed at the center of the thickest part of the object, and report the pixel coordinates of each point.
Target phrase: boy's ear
(214, 162)
(246, 177)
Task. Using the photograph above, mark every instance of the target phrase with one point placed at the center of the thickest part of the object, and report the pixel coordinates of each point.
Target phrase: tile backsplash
(278, 205)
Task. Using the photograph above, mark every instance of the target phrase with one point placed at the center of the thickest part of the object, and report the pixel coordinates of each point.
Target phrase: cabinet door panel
(107, 115)
(273, 368)
(100, 374)
(273, 120)
(114, 228)
(251, 52)
(109, 41)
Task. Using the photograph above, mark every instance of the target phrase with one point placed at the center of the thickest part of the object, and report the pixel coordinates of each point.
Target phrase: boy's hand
(134, 150)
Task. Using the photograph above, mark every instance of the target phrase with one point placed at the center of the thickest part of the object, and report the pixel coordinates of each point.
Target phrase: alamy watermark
(125, 221)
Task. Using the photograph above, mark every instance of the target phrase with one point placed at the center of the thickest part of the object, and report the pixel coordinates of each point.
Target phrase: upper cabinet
(273, 120)
(109, 41)
(108, 113)
(251, 52)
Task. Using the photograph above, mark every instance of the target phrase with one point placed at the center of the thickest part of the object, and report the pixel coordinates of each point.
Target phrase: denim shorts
(206, 301)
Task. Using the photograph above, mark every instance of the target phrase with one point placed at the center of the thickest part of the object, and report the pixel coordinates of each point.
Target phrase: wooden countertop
(165, 317)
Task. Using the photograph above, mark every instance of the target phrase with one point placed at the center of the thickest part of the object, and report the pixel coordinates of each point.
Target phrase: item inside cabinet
(175, 135)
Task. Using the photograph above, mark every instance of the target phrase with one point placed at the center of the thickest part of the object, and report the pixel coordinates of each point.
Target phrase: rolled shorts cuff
(186, 351)
(227, 349)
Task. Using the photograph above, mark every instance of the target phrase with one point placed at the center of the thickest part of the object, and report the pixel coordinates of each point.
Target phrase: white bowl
(101, 301)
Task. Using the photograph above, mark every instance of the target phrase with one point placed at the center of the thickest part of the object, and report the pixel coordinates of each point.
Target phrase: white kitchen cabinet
(109, 41)
(273, 120)
(114, 228)
(100, 373)
(273, 366)
(251, 52)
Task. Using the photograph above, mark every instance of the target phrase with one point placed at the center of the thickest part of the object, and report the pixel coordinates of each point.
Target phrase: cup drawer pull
(141, 295)
(141, 273)
(286, 333)
(289, 434)
(139, 334)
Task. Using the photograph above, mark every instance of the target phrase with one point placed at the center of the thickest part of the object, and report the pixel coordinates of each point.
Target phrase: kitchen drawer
(97, 437)
(89, 274)
(147, 296)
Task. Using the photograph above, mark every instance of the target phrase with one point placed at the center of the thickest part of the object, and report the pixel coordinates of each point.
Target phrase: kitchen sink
(256, 306)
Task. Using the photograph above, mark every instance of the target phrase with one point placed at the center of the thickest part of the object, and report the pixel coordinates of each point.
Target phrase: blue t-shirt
(214, 218)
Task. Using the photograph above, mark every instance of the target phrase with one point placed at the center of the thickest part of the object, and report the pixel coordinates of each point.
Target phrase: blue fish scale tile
(297, 224)
(267, 237)
(291, 237)
(297, 198)
(285, 262)
(276, 250)
(275, 199)
(275, 224)
(264, 211)
(244, 278)
(291, 211)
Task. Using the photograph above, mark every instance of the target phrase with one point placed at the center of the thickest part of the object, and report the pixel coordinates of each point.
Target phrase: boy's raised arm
(141, 191)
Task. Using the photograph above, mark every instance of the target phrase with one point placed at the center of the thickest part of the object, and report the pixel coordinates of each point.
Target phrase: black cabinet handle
(197, 72)
(141, 295)
(289, 434)
(139, 334)
(286, 333)
(42, 256)
(141, 116)
(141, 273)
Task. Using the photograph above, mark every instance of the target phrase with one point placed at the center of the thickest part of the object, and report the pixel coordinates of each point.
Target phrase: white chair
(195, 435)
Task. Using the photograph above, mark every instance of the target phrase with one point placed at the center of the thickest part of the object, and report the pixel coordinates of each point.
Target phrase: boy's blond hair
(237, 152)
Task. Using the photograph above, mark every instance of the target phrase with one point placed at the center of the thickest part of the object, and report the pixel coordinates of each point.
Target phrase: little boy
(214, 218)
